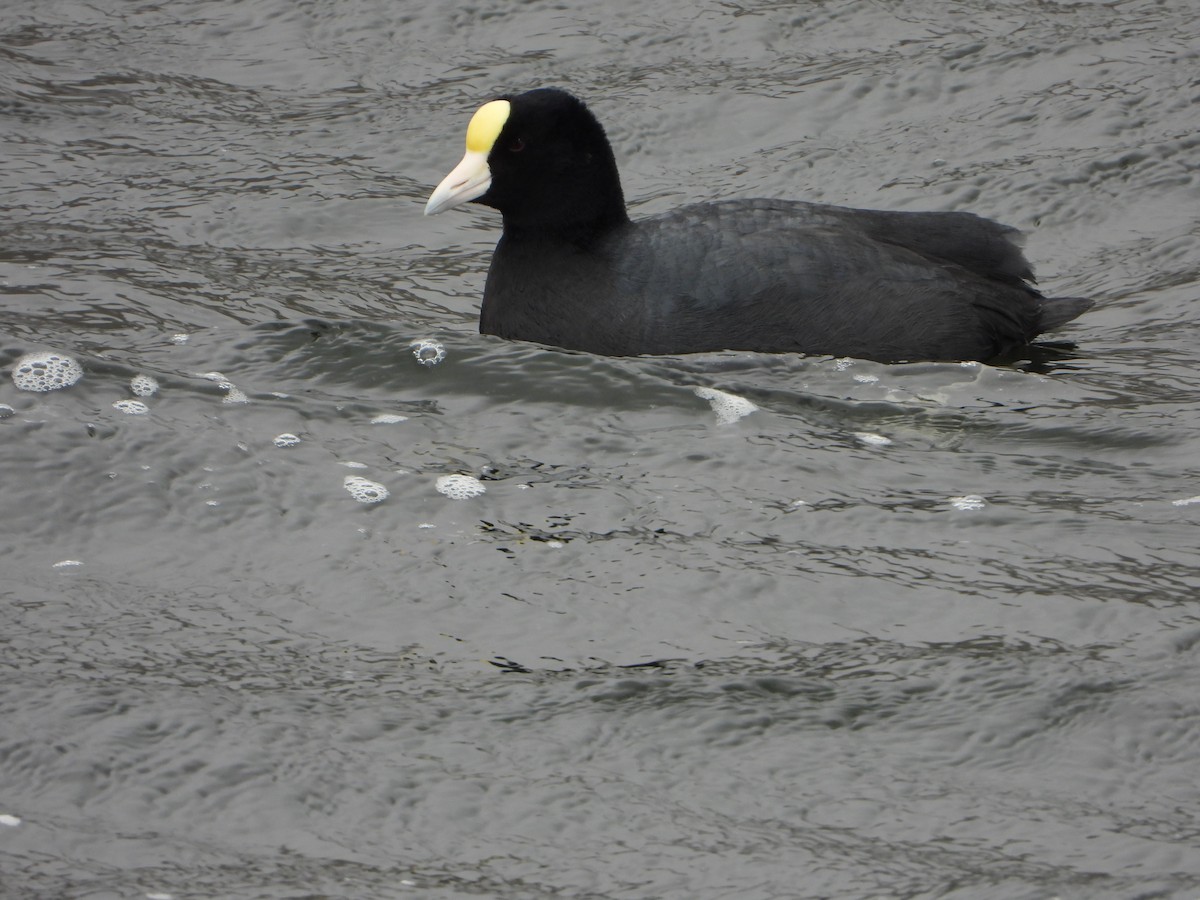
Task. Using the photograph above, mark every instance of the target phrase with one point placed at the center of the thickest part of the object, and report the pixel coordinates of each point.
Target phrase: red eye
(516, 145)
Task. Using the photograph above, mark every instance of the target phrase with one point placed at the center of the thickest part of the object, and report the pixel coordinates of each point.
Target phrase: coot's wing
(773, 276)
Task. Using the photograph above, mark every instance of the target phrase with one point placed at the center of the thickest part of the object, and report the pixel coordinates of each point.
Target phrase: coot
(572, 270)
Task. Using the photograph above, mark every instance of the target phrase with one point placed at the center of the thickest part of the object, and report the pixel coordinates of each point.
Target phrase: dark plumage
(573, 271)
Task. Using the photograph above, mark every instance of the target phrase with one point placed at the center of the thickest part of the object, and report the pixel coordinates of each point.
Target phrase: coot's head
(542, 160)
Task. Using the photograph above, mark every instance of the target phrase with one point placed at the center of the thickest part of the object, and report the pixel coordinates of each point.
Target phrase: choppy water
(901, 631)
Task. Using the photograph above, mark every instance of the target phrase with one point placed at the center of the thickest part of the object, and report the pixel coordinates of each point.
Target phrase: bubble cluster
(143, 386)
(388, 419)
(968, 501)
(132, 407)
(873, 440)
(460, 487)
(233, 394)
(428, 352)
(45, 372)
(728, 407)
(364, 491)
(287, 439)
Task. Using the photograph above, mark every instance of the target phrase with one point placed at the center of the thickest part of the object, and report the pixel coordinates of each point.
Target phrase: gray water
(902, 631)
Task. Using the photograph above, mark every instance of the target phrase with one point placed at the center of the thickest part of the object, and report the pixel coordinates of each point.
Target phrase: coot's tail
(1058, 311)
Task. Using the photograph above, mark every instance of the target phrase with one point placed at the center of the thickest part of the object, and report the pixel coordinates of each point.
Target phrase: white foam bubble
(6, 411)
(388, 419)
(233, 394)
(179, 338)
(132, 407)
(728, 407)
(428, 352)
(364, 491)
(460, 487)
(287, 439)
(351, 464)
(968, 501)
(143, 386)
(1186, 501)
(10, 821)
(873, 440)
(863, 378)
(45, 372)
(66, 564)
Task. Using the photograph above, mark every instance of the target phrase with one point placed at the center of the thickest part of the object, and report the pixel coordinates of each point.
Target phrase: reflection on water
(310, 588)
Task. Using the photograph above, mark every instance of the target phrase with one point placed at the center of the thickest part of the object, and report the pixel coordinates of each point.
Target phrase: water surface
(925, 630)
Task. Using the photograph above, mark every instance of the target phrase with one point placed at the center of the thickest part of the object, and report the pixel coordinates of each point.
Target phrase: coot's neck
(580, 231)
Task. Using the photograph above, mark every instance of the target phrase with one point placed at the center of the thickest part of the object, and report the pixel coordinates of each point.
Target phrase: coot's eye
(516, 145)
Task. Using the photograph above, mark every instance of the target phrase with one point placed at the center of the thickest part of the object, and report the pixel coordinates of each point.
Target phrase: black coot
(572, 270)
